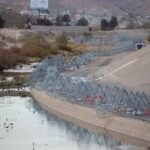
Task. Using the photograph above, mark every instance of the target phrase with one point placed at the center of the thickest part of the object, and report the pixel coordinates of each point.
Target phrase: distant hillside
(99, 7)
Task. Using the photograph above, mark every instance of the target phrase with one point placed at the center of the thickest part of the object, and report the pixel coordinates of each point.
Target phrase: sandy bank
(124, 129)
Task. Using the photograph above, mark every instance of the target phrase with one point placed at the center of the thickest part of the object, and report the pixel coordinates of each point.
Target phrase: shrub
(131, 25)
(62, 40)
(58, 21)
(16, 50)
(146, 25)
(148, 38)
(8, 59)
(17, 82)
(109, 25)
(104, 24)
(62, 20)
(113, 22)
(65, 48)
(66, 18)
(82, 22)
(45, 22)
(2, 22)
(62, 43)
(37, 46)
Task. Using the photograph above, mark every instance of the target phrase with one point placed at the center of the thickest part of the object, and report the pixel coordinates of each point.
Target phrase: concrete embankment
(127, 130)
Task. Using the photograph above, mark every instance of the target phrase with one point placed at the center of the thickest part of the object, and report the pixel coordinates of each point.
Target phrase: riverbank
(23, 92)
(15, 93)
(127, 130)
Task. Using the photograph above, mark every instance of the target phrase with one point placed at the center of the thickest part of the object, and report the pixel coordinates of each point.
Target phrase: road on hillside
(133, 70)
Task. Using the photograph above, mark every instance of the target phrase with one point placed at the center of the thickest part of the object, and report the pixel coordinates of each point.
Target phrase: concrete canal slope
(128, 130)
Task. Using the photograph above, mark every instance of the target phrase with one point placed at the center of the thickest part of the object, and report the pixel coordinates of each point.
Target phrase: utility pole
(83, 9)
(57, 5)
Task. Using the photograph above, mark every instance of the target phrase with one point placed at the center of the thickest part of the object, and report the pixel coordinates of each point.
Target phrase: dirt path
(128, 130)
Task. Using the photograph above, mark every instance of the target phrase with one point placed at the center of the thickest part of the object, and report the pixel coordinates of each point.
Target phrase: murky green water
(25, 126)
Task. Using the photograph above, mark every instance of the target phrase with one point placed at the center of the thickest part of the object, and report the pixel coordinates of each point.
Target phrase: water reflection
(24, 125)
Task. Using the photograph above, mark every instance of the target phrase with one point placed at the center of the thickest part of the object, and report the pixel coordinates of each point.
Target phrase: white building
(39, 4)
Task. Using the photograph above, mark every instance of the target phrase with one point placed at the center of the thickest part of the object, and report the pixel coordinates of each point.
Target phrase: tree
(2, 22)
(66, 18)
(104, 25)
(148, 38)
(113, 22)
(44, 21)
(109, 25)
(58, 21)
(82, 22)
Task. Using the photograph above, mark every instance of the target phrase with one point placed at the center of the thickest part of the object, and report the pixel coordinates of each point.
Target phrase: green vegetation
(41, 21)
(104, 24)
(66, 18)
(109, 25)
(113, 22)
(131, 25)
(58, 21)
(62, 40)
(62, 20)
(62, 43)
(1, 22)
(16, 83)
(82, 22)
(148, 38)
(146, 25)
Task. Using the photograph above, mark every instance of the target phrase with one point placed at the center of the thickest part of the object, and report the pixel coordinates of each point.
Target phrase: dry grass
(78, 48)
(8, 58)
(35, 48)
(8, 39)
(17, 82)
(2, 44)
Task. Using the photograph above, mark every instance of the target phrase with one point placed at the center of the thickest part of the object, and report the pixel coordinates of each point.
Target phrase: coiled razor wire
(50, 75)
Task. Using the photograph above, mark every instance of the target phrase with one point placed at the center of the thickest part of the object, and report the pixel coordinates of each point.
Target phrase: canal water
(24, 125)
